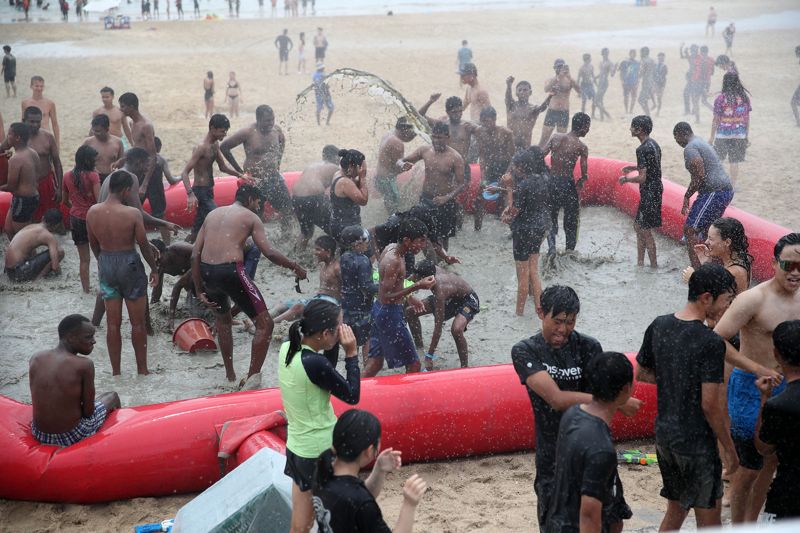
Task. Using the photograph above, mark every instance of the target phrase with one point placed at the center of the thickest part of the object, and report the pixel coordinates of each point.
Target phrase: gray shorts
(121, 275)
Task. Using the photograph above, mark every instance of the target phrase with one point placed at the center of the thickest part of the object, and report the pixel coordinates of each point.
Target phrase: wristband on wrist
(431, 357)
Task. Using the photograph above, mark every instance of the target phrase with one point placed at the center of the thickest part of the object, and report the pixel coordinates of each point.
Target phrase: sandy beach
(164, 63)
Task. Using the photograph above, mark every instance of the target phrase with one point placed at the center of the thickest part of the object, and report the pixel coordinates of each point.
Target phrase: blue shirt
(464, 56)
(358, 289)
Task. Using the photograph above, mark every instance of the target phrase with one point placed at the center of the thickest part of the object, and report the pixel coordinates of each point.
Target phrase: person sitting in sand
(451, 297)
(342, 501)
(23, 263)
(330, 280)
(65, 407)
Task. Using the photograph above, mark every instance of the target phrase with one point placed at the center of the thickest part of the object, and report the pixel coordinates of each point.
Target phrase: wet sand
(164, 64)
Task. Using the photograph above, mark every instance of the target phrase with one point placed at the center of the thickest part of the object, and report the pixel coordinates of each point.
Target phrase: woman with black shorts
(348, 192)
(81, 190)
(307, 376)
(528, 214)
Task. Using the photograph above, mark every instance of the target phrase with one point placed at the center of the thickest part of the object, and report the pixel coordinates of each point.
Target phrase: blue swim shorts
(707, 208)
(390, 337)
(744, 403)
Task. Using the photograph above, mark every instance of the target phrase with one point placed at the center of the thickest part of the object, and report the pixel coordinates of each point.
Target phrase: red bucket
(194, 334)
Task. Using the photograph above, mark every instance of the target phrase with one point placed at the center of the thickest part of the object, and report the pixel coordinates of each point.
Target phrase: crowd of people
(368, 299)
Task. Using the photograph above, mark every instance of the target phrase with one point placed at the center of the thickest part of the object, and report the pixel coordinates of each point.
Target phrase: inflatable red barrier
(171, 448)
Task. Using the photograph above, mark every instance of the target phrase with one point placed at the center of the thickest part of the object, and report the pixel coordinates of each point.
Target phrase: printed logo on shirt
(567, 374)
(322, 515)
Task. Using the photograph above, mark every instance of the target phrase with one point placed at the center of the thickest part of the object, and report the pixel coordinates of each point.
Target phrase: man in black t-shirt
(686, 360)
(586, 479)
(648, 163)
(779, 422)
(551, 364)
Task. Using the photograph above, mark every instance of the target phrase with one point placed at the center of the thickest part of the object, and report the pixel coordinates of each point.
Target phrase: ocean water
(249, 9)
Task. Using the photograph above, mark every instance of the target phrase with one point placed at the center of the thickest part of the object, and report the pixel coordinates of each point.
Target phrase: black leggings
(564, 195)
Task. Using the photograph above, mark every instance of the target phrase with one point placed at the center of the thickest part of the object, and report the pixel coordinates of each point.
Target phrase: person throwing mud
(567, 149)
(557, 116)
(263, 144)
(219, 275)
(66, 409)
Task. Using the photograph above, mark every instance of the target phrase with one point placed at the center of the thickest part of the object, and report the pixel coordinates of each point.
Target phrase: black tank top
(344, 211)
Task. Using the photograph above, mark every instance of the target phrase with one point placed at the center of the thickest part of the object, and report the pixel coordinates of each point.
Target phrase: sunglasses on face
(788, 266)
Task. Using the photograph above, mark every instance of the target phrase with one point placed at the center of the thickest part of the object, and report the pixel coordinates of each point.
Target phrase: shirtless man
(118, 123)
(495, 150)
(263, 144)
(22, 261)
(390, 155)
(586, 81)
(520, 114)
(311, 205)
(218, 274)
(647, 71)
(390, 339)
(66, 409)
(22, 179)
(49, 172)
(754, 314)
(114, 230)
(444, 181)
(475, 96)
(566, 149)
(45, 105)
(629, 76)
(142, 135)
(175, 260)
(451, 297)
(607, 68)
(560, 86)
(109, 147)
(200, 193)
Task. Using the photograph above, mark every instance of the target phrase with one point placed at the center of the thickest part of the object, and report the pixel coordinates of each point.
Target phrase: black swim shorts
(275, 191)
(444, 218)
(155, 193)
(648, 215)
(230, 280)
(80, 235)
(121, 275)
(30, 268)
(23, 208)
(312, 211)
(468, 306)
(526, 240)
(205, 204)
(557, 118)
(691, 480)
(300, 469)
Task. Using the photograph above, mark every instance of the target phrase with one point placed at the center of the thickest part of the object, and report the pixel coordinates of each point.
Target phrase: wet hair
(160, 246)
(351, 235)
(682, 128)
(219, 121)
(607, 374)
(464, 42)
(245, 193)
(130, 100)
(645, 51)
(713, 279)
(580, 121)
(6, 48)
(329, 151)
(350, 157)
(662, 54)
(210, 75)
(157, 142)
(136, 154)
(531, 161)
(107, 90)
(440, 128)
(587, 57)
(604, 51)
(790, 239)
(120, 180)
(642, 123)
(326, 242)
(354, 432)
(731, 228)
(425, 268)
(704, 49)
(452, 103)
(722, 59)
(52, 217)
(85, 158)
(318, 315)
(101, 120)
(302, 36)
(31, 110)
(524, 83)
(36, 78)
(21, 130)
(557, 299)
(411, 228)
(786, 338)
(69, 324)
(732, 88)
(263, 111)
(488, 112)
